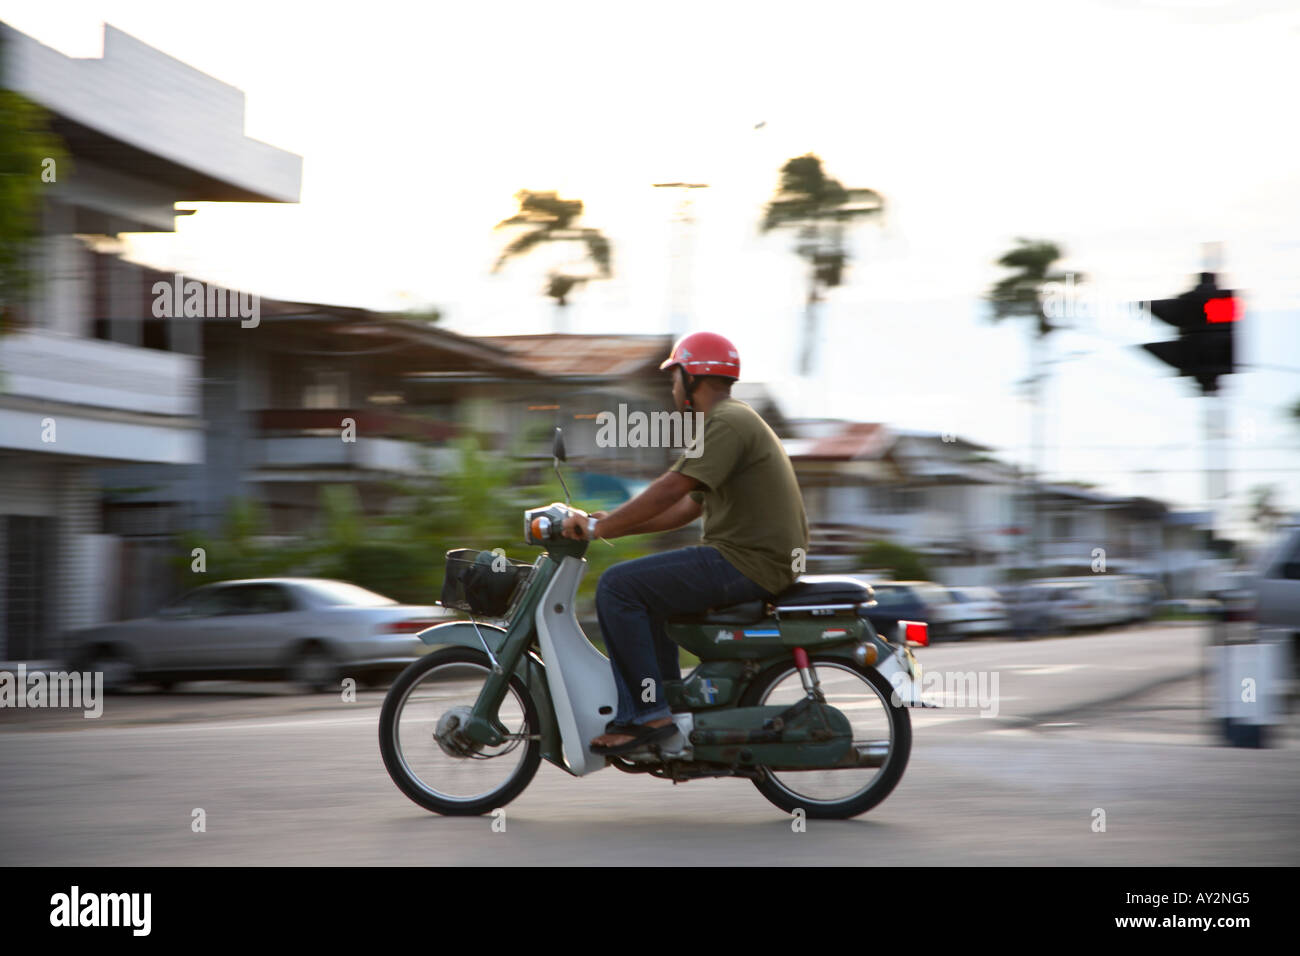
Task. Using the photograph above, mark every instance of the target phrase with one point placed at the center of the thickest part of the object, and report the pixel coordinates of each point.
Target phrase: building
(90, 379)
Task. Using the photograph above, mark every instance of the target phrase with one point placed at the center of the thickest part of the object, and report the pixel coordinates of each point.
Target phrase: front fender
(462, 632)
(530, 668)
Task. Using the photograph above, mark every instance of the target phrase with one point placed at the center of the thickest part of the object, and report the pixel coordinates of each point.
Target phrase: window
(254, 599)
(200, 602)
(890, 597)
(28, 565)
(325, 388)
(231, 599)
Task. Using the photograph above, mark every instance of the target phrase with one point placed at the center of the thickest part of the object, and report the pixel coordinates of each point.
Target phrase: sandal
(641, 735)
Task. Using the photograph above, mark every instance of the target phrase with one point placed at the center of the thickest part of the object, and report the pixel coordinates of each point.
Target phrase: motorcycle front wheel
(881, 729)
(430, 762)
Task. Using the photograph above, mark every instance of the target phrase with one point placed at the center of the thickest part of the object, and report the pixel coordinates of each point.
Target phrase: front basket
(482, 582)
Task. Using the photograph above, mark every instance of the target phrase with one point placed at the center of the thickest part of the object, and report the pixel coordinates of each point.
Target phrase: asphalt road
(1109, 722)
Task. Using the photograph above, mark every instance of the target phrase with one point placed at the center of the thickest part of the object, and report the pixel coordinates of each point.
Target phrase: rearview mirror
(557, 448)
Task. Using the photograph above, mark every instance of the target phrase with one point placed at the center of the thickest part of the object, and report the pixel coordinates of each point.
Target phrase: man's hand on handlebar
(575, 524)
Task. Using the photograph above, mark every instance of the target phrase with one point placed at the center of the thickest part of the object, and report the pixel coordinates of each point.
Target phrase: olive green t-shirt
(752, 508)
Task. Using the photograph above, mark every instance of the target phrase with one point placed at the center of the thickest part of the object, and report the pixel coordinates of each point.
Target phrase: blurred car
(977, 611)
(1056, 607)
(310, 631)
(1103, 599)
(910, 601)
(1143, 594)
(1195, 606)
(1277, 600)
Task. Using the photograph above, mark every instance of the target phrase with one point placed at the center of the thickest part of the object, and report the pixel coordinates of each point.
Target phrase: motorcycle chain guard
(806, 734)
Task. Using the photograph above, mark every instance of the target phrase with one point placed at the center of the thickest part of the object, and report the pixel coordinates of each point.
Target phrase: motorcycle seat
(813, 590)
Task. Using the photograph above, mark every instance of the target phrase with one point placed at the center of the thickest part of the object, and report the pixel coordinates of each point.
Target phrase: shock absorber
(807, 676)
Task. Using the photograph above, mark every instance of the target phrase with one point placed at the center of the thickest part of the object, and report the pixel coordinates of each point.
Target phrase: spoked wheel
(430, 761)
(882, 739)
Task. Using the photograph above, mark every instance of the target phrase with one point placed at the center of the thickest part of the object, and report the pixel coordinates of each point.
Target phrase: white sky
(1127, 132)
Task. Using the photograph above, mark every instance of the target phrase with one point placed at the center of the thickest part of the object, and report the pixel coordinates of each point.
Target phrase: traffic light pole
(1205, 351)
(1216, 453)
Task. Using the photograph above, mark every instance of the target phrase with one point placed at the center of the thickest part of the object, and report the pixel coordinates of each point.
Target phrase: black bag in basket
(473, 584)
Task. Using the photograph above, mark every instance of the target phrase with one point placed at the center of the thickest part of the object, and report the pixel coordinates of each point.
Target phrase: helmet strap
(689, 384)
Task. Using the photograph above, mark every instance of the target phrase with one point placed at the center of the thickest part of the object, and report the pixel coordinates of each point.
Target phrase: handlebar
(546, 524)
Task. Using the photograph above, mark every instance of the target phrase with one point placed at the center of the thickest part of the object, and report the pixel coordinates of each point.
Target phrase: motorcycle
(803, 697)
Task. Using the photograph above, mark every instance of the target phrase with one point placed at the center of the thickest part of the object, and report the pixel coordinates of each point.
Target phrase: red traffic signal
(1205, 318)
(1222, 309)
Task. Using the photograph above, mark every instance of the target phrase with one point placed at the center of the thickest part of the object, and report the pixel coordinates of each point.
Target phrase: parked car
(1188, 606)
(977, 611)
(910, 601)
(1056, 607)
(1110, 599)
(311, 631)
(1277, 602)
(1143, 594)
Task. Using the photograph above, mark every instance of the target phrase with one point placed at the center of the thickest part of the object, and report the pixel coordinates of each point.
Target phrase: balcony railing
(370, 423)
(60, 368)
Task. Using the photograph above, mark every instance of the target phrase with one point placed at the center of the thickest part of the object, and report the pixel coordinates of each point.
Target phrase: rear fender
(904, 674)
(895, 663)
(530, 668)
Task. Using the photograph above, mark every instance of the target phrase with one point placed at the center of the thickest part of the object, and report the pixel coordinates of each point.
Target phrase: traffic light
(1206, 319)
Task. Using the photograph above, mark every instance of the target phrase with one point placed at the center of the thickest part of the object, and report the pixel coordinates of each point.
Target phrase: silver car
(1277, 609)
(311, 631)
(978, 611)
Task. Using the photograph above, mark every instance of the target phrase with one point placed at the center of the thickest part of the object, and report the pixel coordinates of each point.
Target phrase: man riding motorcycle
(740, 478)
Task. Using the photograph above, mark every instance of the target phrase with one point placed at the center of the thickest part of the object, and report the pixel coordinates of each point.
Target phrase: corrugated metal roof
(854, 440)
(585, 355)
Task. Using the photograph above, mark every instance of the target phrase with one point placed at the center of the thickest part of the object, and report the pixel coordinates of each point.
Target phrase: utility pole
(681, 250)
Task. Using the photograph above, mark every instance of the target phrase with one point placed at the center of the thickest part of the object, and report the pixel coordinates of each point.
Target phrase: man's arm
(678, 516)
(652, 510)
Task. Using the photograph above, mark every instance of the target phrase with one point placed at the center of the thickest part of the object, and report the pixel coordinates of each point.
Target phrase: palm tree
(551, 219)
(1021, 294)
(819, 207)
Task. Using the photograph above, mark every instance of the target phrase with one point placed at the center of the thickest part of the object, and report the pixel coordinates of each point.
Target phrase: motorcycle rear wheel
(454, 777)
(866, 698)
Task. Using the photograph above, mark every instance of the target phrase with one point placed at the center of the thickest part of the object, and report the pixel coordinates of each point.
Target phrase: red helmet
(705, 353)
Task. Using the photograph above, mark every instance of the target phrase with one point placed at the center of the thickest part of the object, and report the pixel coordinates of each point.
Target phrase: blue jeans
(634, 601)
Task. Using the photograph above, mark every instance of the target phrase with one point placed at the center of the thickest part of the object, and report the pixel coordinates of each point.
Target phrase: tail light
(409, 626)
(914, 632)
